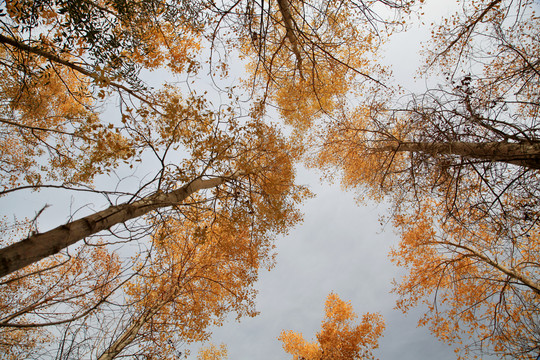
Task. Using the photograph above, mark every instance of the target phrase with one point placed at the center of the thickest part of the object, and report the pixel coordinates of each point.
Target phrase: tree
(49, 115)
(307, 56)
(202, 268)
(221, 167)
(111, 40)
(259, 201)
(339, 337)
(249, 208)
(60, 61)
(58, 58)
(57, 291)
(460, 165)
(212, 352)
(479, 284)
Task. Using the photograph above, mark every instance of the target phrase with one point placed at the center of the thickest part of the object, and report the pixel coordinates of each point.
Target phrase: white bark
(42, 245)
(128, 335)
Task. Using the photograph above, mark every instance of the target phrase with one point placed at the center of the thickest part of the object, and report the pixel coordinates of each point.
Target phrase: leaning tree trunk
(41, 245)
(130, 333)
(524, 154)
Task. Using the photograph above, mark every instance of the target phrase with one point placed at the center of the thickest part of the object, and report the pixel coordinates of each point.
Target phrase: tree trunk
(289, 32)
(130, 333)
(39, 246)
(524, 154)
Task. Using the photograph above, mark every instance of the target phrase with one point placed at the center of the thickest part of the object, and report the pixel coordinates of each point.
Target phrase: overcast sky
(340, 247)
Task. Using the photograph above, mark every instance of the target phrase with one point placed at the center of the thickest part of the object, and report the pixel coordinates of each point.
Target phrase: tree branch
(54, 58)
(40, 246)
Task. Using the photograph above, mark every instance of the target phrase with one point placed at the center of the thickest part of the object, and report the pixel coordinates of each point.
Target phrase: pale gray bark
(524, 154)
(42, 245)
(285, 11)
(128, 335)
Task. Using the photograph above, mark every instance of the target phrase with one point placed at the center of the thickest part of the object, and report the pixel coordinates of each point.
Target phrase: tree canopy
(156, 263)
(460, 165)
(339, 337)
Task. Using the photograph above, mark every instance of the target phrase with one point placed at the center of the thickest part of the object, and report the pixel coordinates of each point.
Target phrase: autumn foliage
(155, 264)
(460, 165)
(339, 338)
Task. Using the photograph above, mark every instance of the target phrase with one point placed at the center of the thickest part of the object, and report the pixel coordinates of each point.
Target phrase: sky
(341, 247)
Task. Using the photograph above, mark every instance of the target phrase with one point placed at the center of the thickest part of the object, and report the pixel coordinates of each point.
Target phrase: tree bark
(130, 333)
(39, 246)
(285, 11)
(524, 154)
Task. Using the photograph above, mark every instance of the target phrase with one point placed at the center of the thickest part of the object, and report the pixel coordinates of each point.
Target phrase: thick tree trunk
(39, 246)
(523, 154)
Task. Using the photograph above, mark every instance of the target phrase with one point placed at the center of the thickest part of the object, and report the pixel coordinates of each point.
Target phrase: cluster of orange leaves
(339, 338)
(472, 281)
